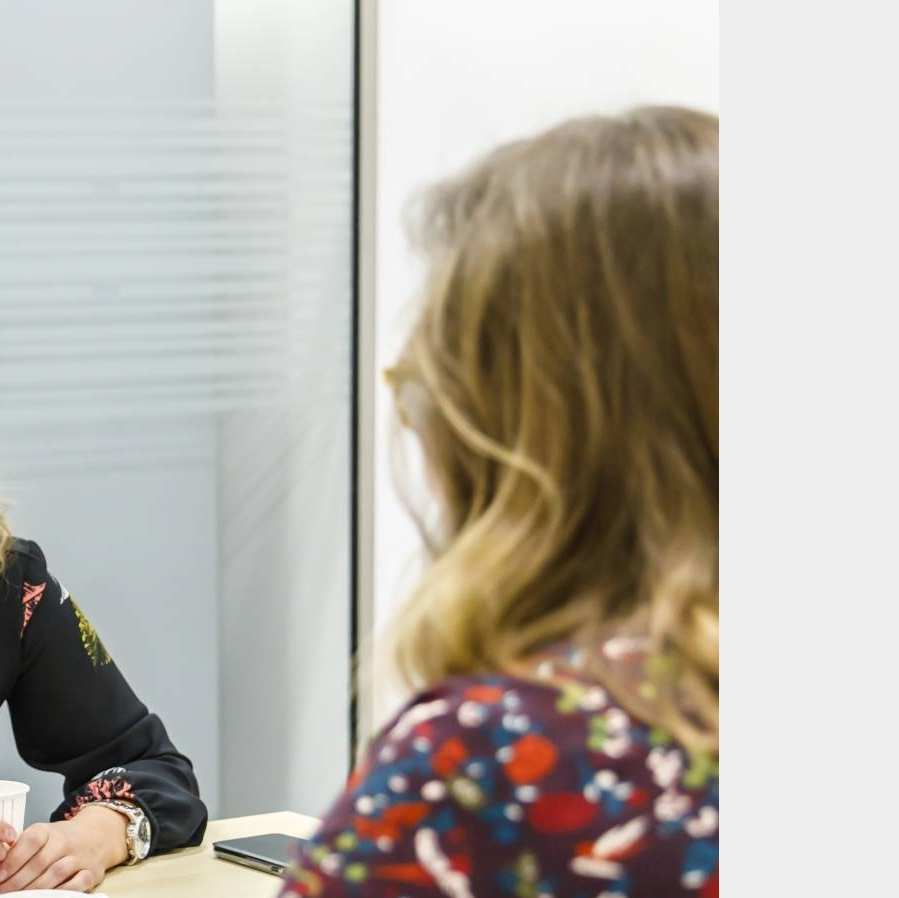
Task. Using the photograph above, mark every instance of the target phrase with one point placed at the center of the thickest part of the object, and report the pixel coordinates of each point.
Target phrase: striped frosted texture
(175, 332)
(163, 260)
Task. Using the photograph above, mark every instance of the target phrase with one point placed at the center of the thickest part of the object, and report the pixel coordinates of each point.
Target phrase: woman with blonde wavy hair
(562, 381)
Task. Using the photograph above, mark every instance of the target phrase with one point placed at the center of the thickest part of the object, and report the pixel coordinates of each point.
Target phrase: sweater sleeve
(73, 713)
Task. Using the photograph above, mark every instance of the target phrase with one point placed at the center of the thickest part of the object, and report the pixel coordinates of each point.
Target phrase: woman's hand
(7, 837)
(72, 854)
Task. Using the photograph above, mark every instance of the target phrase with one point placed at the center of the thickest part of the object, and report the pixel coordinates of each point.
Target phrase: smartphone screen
(271, 853)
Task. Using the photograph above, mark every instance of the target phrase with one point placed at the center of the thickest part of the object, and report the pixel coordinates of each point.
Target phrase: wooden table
(196, 873)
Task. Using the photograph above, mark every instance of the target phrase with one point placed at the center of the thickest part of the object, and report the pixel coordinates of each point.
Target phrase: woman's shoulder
(471, 703)
(547, 722)
(23, 560)
(24, 579)
(489, 767)
(26, 549)
(542, 745)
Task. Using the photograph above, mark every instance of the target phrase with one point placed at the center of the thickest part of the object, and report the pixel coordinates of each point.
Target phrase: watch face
(143, 838)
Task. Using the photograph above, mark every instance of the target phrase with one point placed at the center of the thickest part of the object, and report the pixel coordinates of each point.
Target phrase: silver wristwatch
(138, 834)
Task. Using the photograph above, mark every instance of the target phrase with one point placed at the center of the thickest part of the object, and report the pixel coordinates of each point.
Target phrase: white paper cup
(12, 803)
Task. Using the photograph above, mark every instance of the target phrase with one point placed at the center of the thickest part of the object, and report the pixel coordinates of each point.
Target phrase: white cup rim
(12, 789)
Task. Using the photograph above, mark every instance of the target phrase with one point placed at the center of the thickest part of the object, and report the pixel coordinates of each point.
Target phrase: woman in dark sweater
(129, 793)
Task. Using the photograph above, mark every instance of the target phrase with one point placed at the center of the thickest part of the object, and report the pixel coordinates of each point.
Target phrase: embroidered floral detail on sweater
(31, 597)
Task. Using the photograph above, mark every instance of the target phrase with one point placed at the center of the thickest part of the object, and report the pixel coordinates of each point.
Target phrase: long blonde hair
(5, 538)
(562, 379)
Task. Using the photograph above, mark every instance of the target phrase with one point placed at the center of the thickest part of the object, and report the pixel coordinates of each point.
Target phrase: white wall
(455, 78)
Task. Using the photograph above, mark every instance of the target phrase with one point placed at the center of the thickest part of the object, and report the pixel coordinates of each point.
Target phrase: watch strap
(136, 817)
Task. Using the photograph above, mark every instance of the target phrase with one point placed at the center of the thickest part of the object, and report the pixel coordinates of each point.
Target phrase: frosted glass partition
(176, 183)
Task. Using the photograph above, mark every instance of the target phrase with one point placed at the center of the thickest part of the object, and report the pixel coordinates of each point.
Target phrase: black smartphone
(271, 853)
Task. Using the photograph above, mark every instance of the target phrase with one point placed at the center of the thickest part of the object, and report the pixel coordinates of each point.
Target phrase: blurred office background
(175, 289)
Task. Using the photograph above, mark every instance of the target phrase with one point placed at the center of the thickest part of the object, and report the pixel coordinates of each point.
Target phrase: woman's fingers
(56, 874)
(32, 855)
(51, 856)
(32, 840)
(7, 836)
(83, 881)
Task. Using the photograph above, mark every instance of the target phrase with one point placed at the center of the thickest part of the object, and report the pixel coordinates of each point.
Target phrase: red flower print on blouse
(31, 597)
(533, 756)
(562, 813)
(411, 873)
(487, 694)
(449, 757)
(393, 823)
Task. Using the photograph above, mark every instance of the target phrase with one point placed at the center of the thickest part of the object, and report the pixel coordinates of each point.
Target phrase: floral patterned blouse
(496, 786)
(73, 712)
